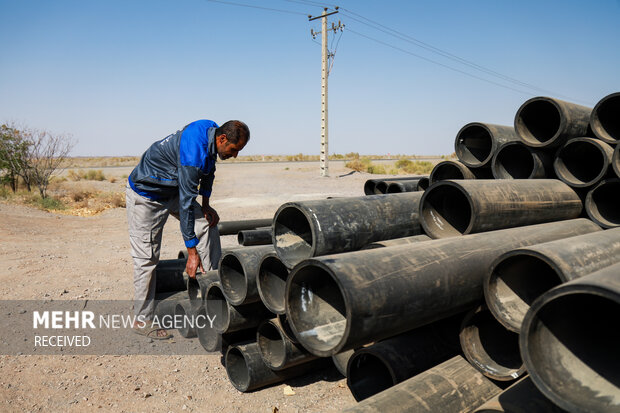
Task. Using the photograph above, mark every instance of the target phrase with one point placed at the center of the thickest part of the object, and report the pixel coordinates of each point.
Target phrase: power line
(257, 7)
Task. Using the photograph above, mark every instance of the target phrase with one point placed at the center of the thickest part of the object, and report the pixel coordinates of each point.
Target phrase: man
(171, 174)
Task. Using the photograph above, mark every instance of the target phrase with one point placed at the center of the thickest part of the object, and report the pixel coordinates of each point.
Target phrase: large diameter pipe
(343, 301)
(197, 287)
(476, 142)
(515, 160)
(211, 340)
(570, 343)
(582, 162)
(454, 207)
(384, 364)
(247, 371)
(521, 397)
(261, 236)
(271, 283)
(397, 187)
(311, 228)
(490, 347)
(604, 120)
(452, 386)
(548, 122)
(165, 303)
(230, 318)
(397, 241)
(233, 227)
(457, 170)
(186, 315)
(603, 203)
(277, 350)
(520, 276)
(238, 270)
(615, 163)
(286, 328)
(341, 360)
(169, 276)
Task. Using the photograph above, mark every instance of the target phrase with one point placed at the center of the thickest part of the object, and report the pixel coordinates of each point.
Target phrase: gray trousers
(146, 219)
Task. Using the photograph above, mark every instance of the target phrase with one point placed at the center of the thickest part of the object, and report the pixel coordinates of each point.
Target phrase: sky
(406, 76)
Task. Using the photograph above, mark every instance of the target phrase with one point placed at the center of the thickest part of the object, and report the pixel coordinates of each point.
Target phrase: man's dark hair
(235, 130)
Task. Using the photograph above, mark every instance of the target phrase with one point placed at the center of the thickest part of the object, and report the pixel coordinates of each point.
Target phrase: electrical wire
(257, 7)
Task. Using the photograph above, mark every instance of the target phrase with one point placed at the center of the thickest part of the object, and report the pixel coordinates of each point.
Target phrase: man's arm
(210, 214)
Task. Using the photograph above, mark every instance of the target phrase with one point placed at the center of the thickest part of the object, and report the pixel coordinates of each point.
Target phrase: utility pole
(325, 56)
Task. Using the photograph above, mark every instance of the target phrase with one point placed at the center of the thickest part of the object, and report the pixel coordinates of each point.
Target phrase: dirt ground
(57, 256)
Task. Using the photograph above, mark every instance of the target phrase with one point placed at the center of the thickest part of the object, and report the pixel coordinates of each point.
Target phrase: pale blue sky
(119, 75)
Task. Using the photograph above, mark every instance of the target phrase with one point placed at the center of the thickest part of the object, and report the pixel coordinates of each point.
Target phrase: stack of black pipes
(476, 294)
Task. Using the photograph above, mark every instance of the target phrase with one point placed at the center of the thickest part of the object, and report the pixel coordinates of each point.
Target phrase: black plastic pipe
(370, 186)
(230, 318)
(516, 160)
(211, 340)
(197, 287)
(490, 347)
(476, 142)
(456, 207)
(582, 162)
(286, 328)
(397, 187)
(521, 397)
(311, 228)
(384, 364)
(233, 227)
(247, 371)
(457, 170)
(238, 270)
(397, 241)
(452, 386)
(344, 301)
(616, 161)
(277, 350)
(169, 276)
(261, 236)
(603, 203)
(184, 309)
(548, 122)
(570, 340)
(165, 303)
(341, 360)
(520, 276)
(604, 120)
(271, 282)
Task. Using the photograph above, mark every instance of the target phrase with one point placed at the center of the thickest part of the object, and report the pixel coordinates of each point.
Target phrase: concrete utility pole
(325, 56)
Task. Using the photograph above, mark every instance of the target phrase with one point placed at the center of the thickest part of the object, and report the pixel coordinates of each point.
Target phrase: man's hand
(193, 262)
(210, 214)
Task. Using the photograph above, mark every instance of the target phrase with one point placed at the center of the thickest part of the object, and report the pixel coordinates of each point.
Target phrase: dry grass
(89, 175)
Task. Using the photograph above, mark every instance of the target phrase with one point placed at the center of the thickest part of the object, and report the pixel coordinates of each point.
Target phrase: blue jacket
(179, 164)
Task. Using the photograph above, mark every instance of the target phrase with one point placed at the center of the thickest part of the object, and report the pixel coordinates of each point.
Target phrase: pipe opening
(491, 347)
(474, 145)
(604, 203)
(207, 336)
(580, 163)
(395, 188)
(193, 290)
(606, 119)
(447, 170)
(271, 345)
(293, 235)
(179, 313)
(538, 121)
(217, 308)
(237, 369)
(446, 211)
(381, 187)
(515, 283)
(240, 239)
(513, 161)
(576, 337)
(423, 183)
(272, 277)
(232, 277)
(368, 375)
(369, 187)
(286, 328)
(317, 309)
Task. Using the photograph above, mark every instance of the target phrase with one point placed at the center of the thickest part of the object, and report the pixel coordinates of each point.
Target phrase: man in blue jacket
(171, 174)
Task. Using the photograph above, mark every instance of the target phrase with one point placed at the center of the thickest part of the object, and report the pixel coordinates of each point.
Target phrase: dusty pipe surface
(233, 227)
(515, 160)
(311, 228)
(397, 241)
(169, 276)
(452, 386)
(457, 170)
(197, 287)
(604, 120)
(238, 270)
(455, 207)
(341, 360)
(521, 397)
(261, 236)
(476, 142)
(247, 371)
(230, 318)
(570, 340)
(271, 282)
(370, 186)
(603, 203)
(165, 303)
(344, 301)
(286, 328)
(490, 347)
(582, 162)
(211, 340)
(382, 365)
(397, 187)
(520, 276)
(547, 122)
(183, 309)
(276, 349)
